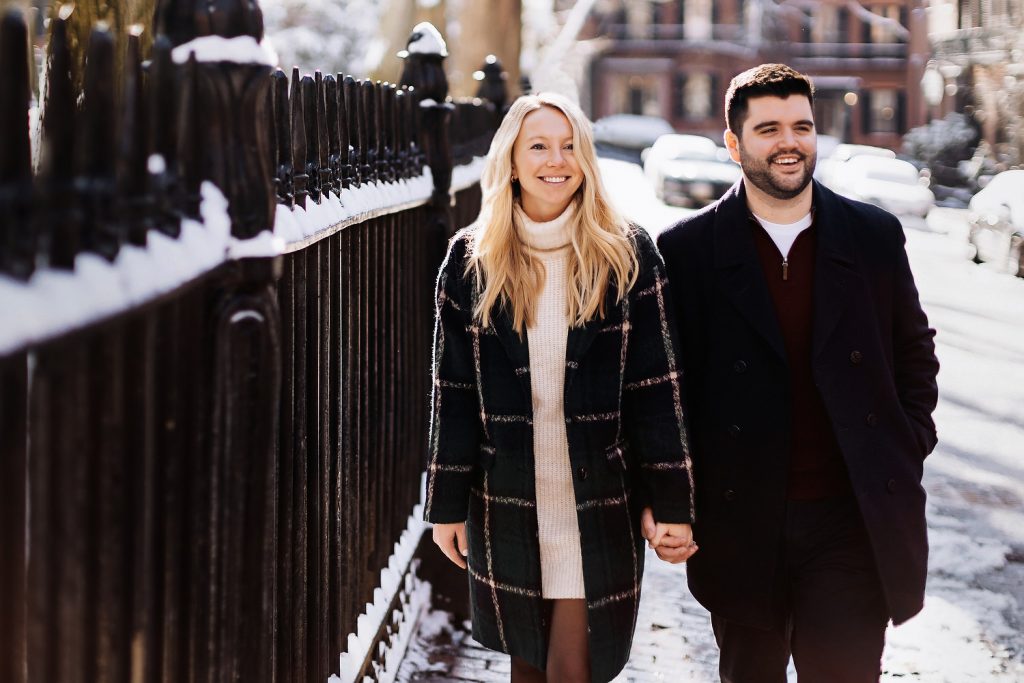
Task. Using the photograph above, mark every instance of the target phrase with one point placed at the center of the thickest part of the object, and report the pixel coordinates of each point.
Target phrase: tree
(330, 35)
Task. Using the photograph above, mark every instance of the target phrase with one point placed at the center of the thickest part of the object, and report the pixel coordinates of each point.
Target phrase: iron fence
(204, 483)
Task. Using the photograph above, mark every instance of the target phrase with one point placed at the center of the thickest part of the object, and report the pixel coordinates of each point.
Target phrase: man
(809, 374)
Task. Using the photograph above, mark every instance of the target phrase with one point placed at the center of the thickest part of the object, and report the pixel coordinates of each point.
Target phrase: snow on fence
(216, 305)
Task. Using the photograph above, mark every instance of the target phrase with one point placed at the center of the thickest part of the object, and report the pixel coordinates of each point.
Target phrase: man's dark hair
(776, 80)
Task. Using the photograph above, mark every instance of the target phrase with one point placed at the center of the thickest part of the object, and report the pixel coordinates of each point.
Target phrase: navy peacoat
(627, 448)
(873, 363)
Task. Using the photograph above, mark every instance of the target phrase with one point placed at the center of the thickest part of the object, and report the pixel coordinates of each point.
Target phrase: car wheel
(1017, 255)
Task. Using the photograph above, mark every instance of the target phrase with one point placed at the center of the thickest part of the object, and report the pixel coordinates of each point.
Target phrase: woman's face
(543, 160)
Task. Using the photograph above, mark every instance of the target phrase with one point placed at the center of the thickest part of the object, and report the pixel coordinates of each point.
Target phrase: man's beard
(759, 172)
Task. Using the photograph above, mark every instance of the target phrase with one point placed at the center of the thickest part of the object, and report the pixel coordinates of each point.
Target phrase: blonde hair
(506, 271)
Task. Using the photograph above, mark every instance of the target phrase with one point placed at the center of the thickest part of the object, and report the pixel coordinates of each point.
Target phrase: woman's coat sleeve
(652, 393)
(454, 446)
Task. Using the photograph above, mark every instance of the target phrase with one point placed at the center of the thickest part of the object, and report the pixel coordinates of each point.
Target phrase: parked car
(689, 170)
(893, 184)
(996, 221)
(625, 136)
(829, 166)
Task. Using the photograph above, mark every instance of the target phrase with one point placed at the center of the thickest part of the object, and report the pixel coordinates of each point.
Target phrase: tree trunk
(120, 16)
(487, 28)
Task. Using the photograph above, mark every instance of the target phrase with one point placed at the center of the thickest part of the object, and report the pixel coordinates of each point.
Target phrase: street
(971, 626)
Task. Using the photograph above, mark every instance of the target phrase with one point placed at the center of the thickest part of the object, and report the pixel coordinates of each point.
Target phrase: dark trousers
(832, 613)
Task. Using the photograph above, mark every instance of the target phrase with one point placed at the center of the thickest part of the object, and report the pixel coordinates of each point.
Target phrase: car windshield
(892, 172)
(692, 154)
(901, 178)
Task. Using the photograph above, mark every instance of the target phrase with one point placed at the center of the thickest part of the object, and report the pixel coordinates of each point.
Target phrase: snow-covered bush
(330, 35)
(942, 144)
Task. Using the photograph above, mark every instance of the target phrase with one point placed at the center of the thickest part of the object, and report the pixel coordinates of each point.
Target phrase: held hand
(451, 539)
(673, 543)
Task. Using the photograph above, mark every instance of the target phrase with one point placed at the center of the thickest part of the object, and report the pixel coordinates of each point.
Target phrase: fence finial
(424, 56)
(182, 21)
(493, 83)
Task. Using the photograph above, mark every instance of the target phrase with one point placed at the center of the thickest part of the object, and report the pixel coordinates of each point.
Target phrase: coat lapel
(517, 347)
(739, 271)
(836, 278)
(580, 338)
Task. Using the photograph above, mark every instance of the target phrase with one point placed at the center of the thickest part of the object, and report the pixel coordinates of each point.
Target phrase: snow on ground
(970, 628)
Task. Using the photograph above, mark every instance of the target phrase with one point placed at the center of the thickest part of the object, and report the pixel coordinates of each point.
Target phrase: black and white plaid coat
(627, 448)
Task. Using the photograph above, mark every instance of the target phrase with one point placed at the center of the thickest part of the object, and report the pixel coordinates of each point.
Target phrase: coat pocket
(487, 456)
(615, 456)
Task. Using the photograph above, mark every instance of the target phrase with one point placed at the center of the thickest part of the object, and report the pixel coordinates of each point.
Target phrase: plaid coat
(627, 448)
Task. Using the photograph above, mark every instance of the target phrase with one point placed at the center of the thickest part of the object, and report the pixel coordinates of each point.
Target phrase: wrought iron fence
(203, 481)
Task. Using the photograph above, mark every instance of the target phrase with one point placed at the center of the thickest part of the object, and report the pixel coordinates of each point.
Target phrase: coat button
(582, 473)
(871, 419)
(890, 486)
(729, 495)
(734, 431)
(740, 367)
(856, 357)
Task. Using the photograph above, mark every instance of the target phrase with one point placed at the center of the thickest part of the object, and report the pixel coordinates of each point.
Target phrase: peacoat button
(734, 431)
(856, 357)
(729, 495)
(871, 419)
(582, 473)
(740, 366)
(890, 486)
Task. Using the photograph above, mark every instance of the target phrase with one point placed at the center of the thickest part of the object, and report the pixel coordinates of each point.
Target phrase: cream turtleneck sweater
(557, 526)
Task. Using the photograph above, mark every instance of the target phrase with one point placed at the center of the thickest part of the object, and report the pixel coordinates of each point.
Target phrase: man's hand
(672, 542)
(451, 539)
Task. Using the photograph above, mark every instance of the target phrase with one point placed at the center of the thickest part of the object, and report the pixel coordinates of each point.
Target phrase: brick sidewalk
(673, 641)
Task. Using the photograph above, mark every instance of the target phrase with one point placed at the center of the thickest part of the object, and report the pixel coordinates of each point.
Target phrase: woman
(556, 404)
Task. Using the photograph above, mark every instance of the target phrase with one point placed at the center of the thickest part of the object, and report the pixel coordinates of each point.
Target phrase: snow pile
(238, 50)
(399, 571)
(468, 174)
(427, 40)
(54, 302)
(300, 227)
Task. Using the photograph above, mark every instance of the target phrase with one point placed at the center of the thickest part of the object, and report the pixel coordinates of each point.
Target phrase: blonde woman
(557, 414)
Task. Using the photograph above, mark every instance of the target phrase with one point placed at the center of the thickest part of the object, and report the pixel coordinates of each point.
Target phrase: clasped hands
(672, 542)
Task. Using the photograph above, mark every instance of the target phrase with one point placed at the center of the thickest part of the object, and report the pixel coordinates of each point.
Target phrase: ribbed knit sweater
(557, 527)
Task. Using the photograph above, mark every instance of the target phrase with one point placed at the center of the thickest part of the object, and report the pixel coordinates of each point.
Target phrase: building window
(697, 97)
(883, 110)
(679, 96)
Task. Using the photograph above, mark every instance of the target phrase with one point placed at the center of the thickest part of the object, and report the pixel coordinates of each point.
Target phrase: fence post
(424, 70)
(17, 248)
(232, 146)
(234, 98)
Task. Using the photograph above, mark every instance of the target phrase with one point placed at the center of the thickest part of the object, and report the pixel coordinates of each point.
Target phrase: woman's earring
(515, 178)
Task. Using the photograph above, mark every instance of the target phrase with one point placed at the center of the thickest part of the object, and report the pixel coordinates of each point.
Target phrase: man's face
(778, 147)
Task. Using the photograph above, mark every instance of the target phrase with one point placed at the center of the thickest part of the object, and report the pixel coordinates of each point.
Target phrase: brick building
(978, 67)
(674, 59)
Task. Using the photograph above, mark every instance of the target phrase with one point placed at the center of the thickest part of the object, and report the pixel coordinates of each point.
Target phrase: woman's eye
(568, 147)
(537, 145)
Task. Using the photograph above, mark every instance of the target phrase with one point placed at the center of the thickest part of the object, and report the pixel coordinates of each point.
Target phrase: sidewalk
(673, 640)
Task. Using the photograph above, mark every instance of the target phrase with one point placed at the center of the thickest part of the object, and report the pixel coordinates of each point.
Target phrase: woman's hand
(451, 539)
(672, 542)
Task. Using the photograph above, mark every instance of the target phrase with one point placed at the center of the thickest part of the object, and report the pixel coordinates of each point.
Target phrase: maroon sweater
(816, 467)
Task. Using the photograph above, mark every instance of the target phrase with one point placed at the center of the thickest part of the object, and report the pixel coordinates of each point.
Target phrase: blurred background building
(978, 69)
(674, 59)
